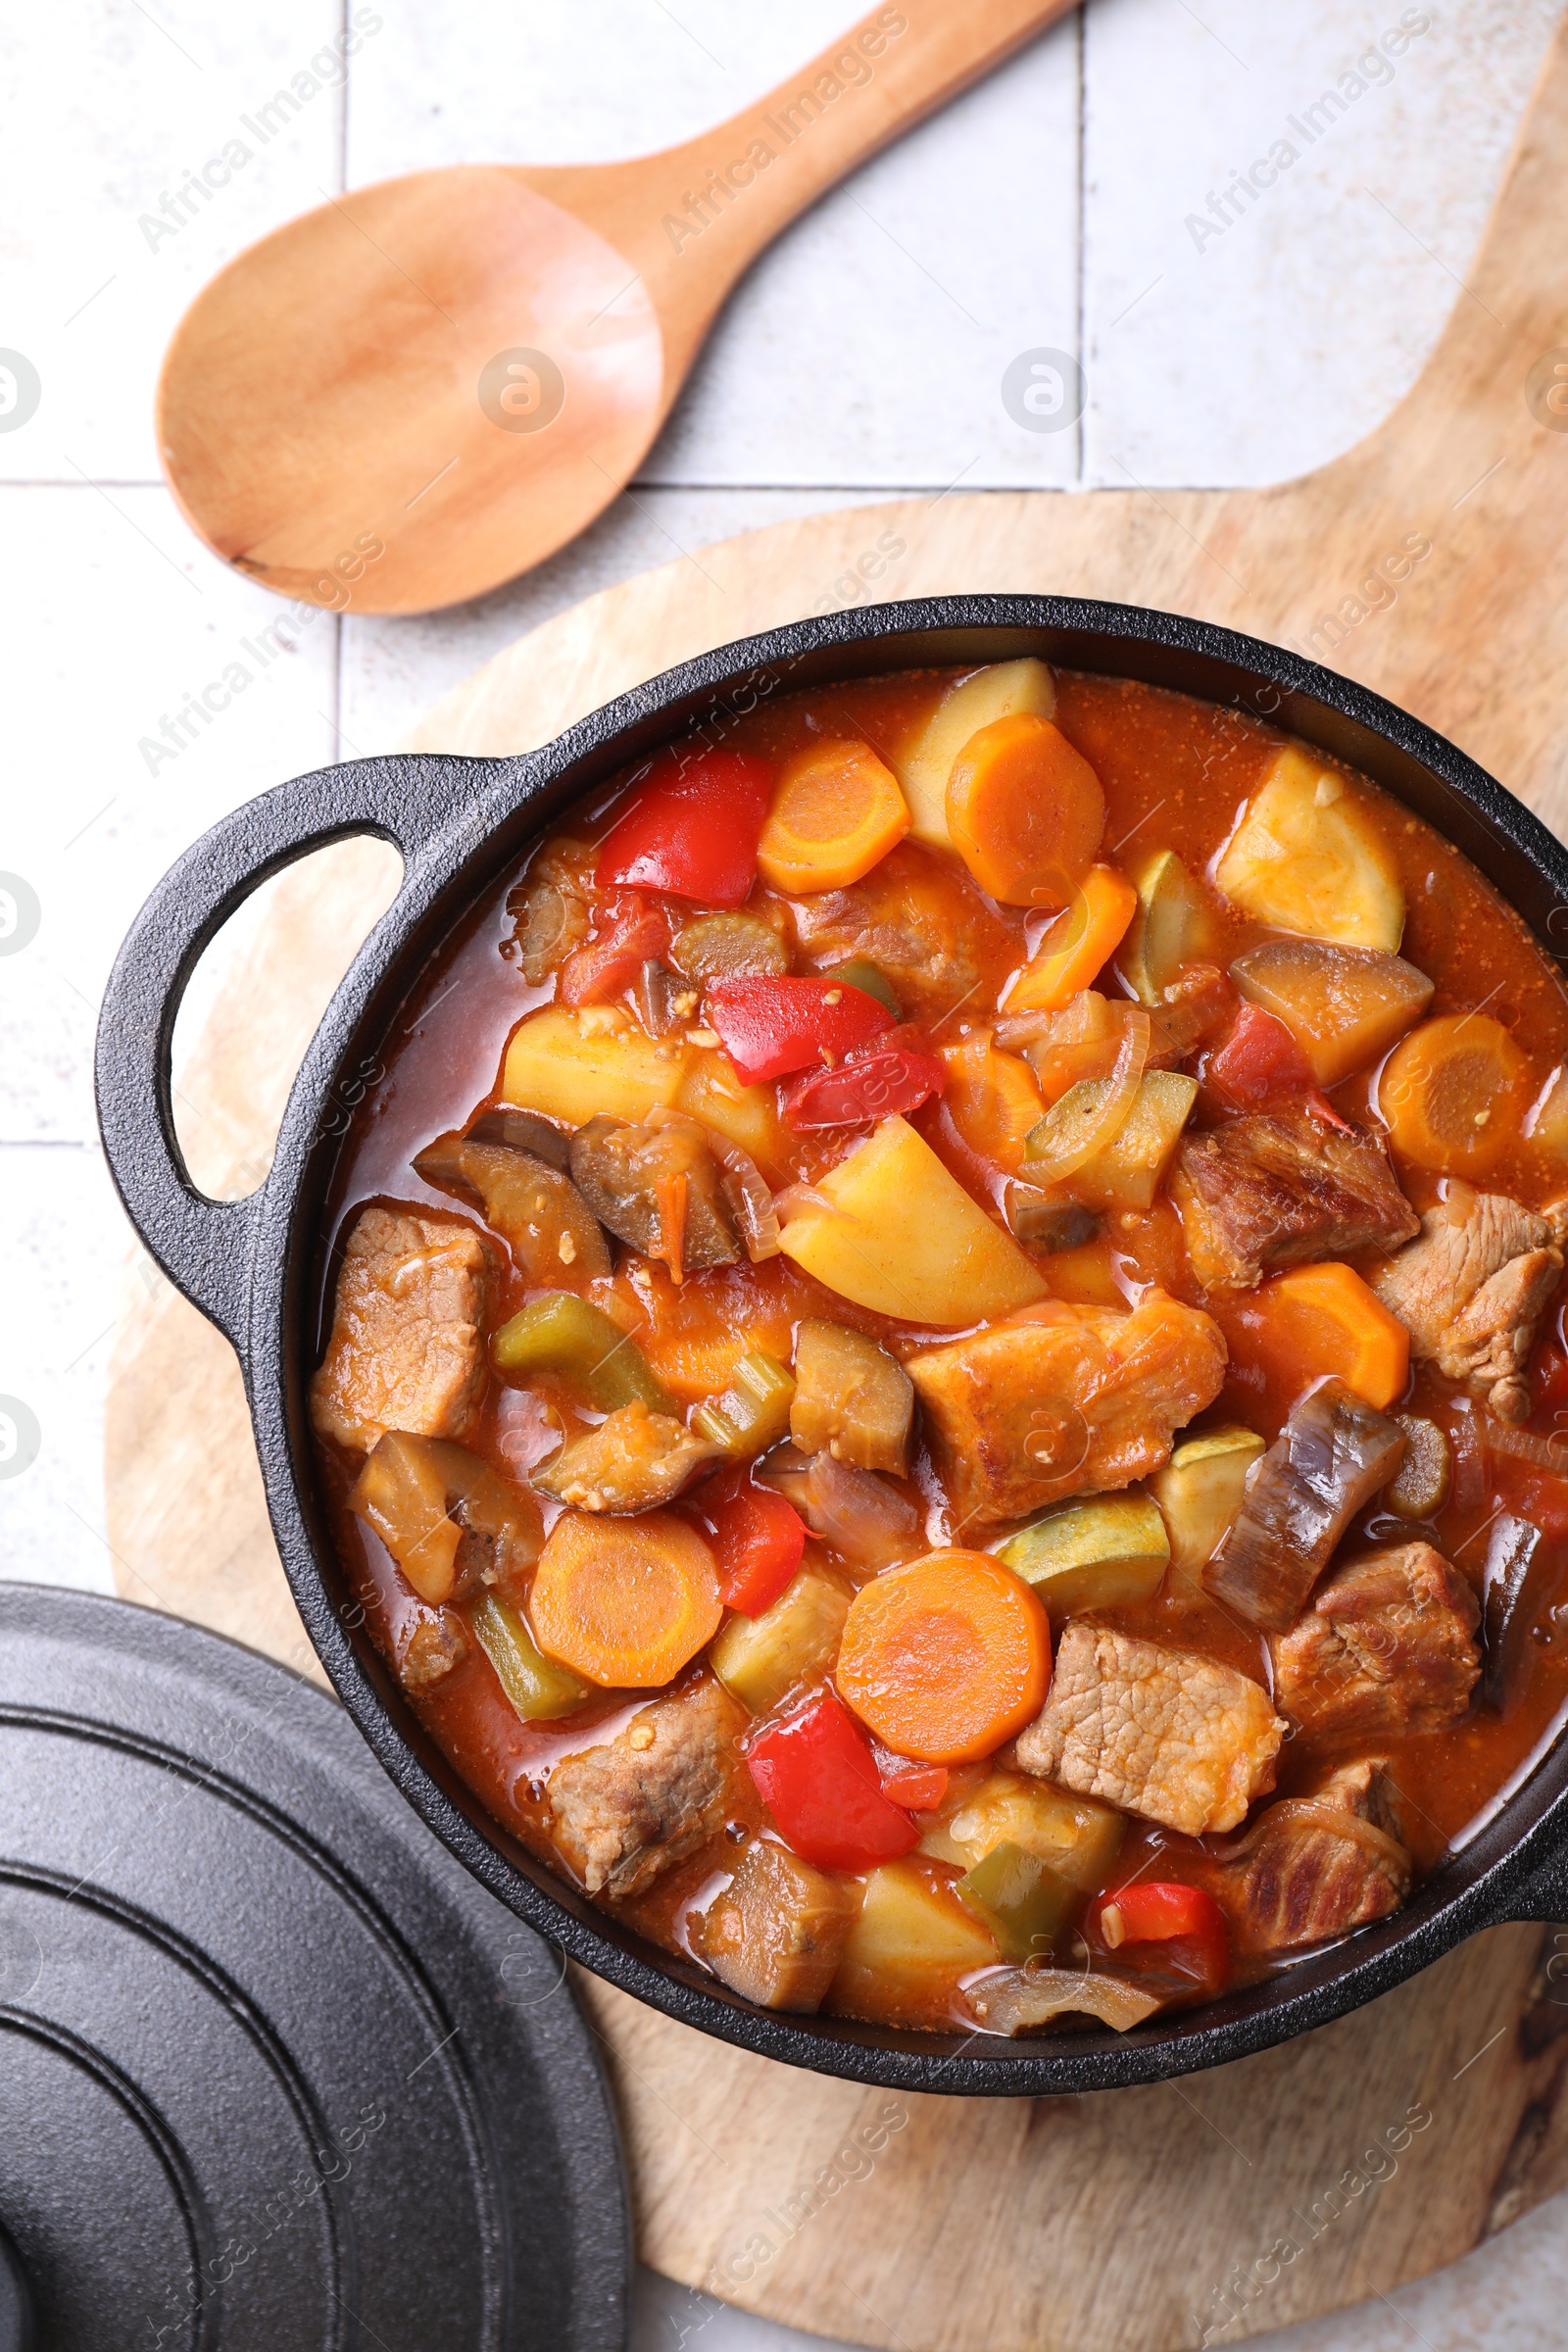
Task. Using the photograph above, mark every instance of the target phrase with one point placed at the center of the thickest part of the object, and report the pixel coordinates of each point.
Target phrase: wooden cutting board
(1426, 562)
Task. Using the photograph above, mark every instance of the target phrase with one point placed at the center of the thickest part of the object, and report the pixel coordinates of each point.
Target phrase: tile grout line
(1080, 58)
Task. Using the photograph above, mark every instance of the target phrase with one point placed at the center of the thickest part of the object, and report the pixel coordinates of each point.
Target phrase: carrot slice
(945, 1657)
(836, 813)
(1315, 1320)
(1083, 938)
(1025, 812)
(1454, 1094)
(993, 1099)
(624, 1602)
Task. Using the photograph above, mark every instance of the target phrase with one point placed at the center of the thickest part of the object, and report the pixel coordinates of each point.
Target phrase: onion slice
(1542, 1453)
(1105, 1122)
(746, 1190)
(1014, 1999)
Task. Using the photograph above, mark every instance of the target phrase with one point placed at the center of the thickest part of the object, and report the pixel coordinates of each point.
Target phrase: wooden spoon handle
(728, 193)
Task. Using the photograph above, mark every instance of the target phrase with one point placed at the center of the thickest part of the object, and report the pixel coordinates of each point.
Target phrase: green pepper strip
(861, 973)
(537, 1687)
(1021, 1899)
(563, 1333)
(753, 1412)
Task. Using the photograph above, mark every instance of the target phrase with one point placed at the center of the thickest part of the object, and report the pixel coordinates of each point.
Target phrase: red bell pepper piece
(758, 1539)
(817, 1777)
(921, 1787)
(1164, 1911)
(1259, 1062)
(895, 1074)
(770, 1027)
(629, 932)
(691, 827)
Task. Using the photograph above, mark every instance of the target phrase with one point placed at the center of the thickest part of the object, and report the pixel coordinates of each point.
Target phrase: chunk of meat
(922, 924)
(635, 1460)
(1316, 1866)
(1471, 1289)
(626, 1811)
(1274, 1189)
(1063, 1401)
(407, 1350)
(1389, 1645)
(776, 1934)
(656, 1188)
(428, 1644)
(1165, 1733)
(1332, 1456)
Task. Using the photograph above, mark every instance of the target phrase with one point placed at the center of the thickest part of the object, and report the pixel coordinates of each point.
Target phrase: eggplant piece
(1043, 1220)
(635, 1460)
(628, 1174)
(449, 1520)
(539, 1213)
(1331, 1457)
(662, 1001)
(851, 1396)
(861, 1513)
(1511, 1549)
(524, 1131)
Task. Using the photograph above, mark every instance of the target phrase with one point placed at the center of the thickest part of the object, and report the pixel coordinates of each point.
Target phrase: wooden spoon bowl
(429, 385)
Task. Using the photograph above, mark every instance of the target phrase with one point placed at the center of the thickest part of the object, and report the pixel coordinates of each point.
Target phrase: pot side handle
(206, 1247)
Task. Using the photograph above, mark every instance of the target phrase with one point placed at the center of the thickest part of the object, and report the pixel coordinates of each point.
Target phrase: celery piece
(563, 1333)
(537, 1687)
(861, 973)
(1022, 1900)
(754, 1411)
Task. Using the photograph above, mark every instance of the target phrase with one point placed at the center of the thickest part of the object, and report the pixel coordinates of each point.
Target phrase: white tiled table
(865, 355)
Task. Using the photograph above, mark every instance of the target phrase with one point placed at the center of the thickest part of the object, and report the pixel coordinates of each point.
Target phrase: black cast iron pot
(255, 1266)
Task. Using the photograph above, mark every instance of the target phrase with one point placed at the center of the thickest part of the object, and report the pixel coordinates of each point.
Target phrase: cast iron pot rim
(246, 1265)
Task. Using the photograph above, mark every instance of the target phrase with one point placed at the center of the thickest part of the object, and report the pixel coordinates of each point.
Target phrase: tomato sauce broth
(1174, 771)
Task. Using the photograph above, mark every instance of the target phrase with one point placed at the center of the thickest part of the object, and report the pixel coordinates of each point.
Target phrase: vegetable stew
(941, 1366)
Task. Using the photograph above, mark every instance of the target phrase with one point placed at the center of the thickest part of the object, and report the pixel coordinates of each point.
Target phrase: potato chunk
(923, 766)
(851, 1396)
(900, 1236)
(574, 1067)
(776, 1934)
(1310, 855)
(1344, 1006)
(1065, 1400)
(912, 1940)
(1077, 1835)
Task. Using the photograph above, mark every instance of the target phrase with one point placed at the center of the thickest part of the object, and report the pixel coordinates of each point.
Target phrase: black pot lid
(274, 2071)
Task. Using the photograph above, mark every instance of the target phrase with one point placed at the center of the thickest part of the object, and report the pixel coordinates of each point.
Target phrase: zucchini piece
(1126, 1173)
(1021, 1899)
(851, 1396)
(1078, 1836)
(758, 1659)
(1173, 926)
(754, 1411)
(1092, 1554)
(539, 1687)
(1310, 855)
(871, 981)
(1420, 1485)
(1200, 1493)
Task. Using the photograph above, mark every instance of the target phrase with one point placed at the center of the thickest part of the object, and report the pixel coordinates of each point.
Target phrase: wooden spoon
(427, 386)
